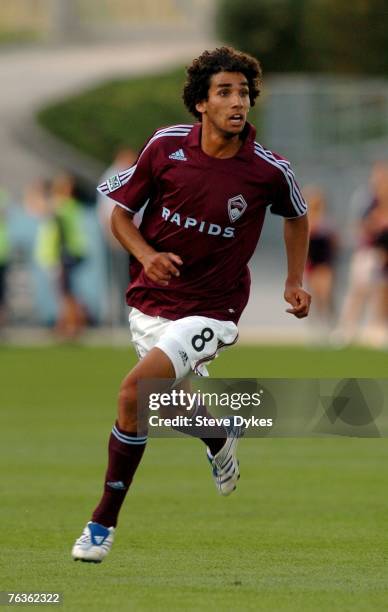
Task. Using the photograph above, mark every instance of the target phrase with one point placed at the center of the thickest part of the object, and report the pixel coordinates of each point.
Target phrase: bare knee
(127, 408)
(127, 394)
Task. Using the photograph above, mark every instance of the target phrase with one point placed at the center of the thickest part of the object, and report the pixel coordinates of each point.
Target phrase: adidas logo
(183, 356)
(99, 539)
(118, 484)
(178, 155)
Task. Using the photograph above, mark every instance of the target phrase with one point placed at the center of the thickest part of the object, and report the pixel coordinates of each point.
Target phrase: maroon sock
(213, 436)
(125, 452)
(214, 444)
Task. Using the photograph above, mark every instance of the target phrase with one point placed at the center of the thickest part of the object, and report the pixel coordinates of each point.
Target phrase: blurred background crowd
(86, 83)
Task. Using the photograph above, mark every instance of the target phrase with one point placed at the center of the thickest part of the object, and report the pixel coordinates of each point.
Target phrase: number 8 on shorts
(199, 340)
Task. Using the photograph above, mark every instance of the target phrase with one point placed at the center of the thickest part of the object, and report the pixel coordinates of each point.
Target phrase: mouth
(237, 119)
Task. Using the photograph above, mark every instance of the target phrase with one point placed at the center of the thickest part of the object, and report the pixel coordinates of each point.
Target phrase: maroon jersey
(207, 210)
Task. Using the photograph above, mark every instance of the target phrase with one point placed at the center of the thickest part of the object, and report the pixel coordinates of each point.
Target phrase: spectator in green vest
(61, 246)
(71, 244)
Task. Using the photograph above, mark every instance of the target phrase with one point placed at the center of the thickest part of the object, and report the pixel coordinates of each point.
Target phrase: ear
(201, 107)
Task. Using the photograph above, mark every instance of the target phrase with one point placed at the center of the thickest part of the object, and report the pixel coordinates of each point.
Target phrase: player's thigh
(155, 364)
(191, 342)
(145, 331)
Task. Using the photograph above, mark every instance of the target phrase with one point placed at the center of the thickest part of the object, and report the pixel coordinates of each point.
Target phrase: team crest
(236, 207)
(113, 183)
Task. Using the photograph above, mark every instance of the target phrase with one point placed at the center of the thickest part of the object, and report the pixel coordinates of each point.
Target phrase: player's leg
(125, 451)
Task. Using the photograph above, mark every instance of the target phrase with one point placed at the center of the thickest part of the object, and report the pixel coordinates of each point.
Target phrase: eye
(224, 92)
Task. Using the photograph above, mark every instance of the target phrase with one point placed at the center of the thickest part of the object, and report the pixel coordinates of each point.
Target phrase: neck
(219, 144)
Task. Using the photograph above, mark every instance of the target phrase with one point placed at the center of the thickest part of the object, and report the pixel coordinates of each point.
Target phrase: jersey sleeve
(288, 201)
(132, 187)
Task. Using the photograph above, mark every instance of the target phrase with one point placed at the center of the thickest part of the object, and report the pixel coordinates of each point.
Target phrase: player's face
(228, 103)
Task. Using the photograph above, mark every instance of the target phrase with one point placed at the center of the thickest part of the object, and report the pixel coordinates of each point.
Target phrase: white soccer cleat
(94, 543)
(225, 466)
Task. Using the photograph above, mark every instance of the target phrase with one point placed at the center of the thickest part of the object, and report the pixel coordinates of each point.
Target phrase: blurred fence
(332, 130)
(105, 19)
(327, 118)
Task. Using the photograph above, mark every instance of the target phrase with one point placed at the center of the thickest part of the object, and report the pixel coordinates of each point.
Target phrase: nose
(237, 101)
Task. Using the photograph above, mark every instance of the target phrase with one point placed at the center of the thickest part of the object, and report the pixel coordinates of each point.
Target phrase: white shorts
(190, 342)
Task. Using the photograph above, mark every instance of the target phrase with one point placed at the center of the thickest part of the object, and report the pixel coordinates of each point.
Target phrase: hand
(159, 267)
(299, 299)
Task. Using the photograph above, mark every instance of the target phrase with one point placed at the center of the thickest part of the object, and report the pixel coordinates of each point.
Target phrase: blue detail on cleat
(98, 533)
(94, 543)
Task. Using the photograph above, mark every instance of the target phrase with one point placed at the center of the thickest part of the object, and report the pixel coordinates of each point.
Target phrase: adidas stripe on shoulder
(284, 166)
(122, 178)
(174, 130)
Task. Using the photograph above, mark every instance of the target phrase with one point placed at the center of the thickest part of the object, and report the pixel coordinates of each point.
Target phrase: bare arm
(159, 267)
(296, 238)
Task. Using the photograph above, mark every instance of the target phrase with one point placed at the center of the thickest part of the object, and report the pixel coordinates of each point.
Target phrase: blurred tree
(347, 38)
(309, 35)
(271, 30)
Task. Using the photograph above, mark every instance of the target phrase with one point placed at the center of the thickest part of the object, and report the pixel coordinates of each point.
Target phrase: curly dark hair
(226, 59)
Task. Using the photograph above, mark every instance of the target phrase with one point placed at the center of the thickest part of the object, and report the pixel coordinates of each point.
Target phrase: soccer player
(208, 186)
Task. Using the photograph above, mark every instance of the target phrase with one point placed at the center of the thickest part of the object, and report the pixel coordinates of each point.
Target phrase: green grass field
(306, 529)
